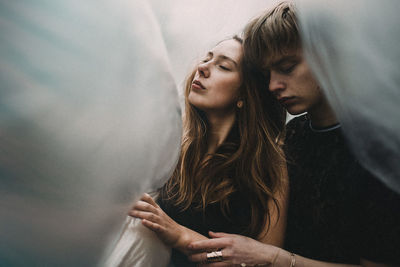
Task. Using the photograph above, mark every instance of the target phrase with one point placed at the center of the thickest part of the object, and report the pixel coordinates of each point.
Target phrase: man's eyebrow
(284, 60)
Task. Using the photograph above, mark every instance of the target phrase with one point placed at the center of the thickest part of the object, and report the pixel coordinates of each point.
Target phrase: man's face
(293, 84)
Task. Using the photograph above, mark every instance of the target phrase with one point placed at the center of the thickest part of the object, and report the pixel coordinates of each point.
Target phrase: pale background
(190, 28)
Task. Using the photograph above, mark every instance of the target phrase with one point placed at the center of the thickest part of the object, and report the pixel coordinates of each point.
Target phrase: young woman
(231, 175)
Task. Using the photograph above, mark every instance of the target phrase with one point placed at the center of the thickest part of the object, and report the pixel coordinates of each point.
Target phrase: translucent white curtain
(353, 49)
(89, 119)
(89, 116)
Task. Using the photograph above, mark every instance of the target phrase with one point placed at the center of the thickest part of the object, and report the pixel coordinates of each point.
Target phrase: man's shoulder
(298, 121)
(296, 126)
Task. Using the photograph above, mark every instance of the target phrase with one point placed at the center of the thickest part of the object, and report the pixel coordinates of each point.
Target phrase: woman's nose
(203, 69)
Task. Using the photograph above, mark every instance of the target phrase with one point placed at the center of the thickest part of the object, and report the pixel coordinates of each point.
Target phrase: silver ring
(214, 256)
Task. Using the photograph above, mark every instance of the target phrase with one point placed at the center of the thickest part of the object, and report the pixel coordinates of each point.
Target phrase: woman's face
(215, 87)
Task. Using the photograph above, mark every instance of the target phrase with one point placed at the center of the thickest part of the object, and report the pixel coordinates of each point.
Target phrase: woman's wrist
(185, 237)
(181, 240)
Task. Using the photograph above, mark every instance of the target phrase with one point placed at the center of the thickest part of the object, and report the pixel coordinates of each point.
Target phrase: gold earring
(239, 104)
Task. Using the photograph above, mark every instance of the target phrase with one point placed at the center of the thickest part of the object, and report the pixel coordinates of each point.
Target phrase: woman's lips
(197, 85)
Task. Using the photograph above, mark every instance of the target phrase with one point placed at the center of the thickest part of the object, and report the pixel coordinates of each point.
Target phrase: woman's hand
(236, 250)
(154, 218)
(169, 231)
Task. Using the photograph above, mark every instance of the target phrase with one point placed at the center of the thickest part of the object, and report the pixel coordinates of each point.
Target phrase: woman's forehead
(230, 48)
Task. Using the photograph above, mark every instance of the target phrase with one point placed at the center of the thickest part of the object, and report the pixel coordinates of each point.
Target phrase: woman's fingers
(145, 216)
(149, 220)
(147, 198)
(152, 226)
(216, 235)
(209, 244)
(144, 206)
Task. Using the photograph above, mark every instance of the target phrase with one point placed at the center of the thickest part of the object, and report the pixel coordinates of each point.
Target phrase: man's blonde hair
(271, 35)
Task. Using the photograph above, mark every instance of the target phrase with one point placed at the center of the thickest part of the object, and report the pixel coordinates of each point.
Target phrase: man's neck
(322, 116)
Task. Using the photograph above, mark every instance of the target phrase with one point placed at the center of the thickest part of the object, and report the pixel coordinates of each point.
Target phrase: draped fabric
(138, 246)
(89, 119)
(353, 49)
(89, 115)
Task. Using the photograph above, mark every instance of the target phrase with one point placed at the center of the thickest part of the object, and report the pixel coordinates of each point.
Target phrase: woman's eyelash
(220, 66)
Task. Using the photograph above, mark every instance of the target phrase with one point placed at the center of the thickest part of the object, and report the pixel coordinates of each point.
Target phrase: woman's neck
(220, 127)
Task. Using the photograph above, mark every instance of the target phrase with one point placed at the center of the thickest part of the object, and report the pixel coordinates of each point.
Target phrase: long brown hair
(249, 160)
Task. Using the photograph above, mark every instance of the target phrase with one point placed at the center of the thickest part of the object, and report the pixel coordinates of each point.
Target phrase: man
(338, 212)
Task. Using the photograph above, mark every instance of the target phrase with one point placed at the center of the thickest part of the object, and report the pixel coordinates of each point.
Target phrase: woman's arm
(170, 232)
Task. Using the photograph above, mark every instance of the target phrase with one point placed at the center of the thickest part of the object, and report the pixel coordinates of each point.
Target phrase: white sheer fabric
(89, 119)
(353, 49)
(137, 246)
(89, 116)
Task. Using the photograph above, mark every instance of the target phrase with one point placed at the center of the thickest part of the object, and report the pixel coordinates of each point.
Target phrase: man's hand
(236, 251)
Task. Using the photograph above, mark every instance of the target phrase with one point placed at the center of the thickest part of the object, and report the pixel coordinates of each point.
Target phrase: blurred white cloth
(89, 116)
(353, 49)
(89, 120)
(138, 246)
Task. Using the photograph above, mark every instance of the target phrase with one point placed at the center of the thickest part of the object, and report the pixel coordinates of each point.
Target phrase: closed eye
(224, 68)
(287, 69)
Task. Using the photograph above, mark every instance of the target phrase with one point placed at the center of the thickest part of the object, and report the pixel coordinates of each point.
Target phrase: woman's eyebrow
(223, 57)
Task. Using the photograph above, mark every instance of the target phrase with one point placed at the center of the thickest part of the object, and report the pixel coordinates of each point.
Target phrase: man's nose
(275, 83)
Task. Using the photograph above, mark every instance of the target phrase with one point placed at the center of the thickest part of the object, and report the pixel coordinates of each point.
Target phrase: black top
(338, 212)
(235, 222)
(212, 220)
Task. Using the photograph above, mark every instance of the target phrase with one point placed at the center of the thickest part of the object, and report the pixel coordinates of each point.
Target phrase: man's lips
(287, 100)
(197, 84)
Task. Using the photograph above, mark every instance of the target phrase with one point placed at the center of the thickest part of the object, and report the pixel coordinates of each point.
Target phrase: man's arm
(238, 249)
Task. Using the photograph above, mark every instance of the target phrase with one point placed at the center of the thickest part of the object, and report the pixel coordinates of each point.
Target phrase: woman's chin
(196, 102)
